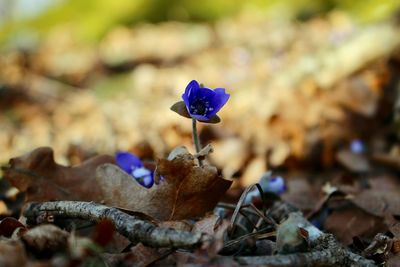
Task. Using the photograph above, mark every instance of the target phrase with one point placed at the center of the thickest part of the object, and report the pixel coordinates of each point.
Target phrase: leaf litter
(301, 131)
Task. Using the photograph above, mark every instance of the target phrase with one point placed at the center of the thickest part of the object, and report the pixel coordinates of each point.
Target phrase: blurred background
(307, 78)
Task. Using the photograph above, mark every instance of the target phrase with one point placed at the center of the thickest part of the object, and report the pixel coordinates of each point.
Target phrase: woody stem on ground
(328, 253)
(325, 251)
(132, 227)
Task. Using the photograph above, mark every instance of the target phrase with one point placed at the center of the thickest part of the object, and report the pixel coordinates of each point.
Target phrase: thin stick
(130, 226)
(266, 218)
(333, 254)
(246, 236)
(247, 218)
(226, 205)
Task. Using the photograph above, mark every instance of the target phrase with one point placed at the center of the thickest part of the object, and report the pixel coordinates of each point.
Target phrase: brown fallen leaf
(45, 240)
(395, 246)
(208, 252)
(380, 245)
(213, 246)
(42, 179)
(143, 256)
(8, 225)
(393, 225)
(378, 203)
(104, 233)
(353, 162)
(12, 253)
(301, 194)
(187, 190)
(386, 160)
(207, 225)
(352, 221)
(394, 261)
(105, 236)
(384, 183)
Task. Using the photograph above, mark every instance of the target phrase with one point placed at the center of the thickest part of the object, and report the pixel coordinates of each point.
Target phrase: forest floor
(313, 102)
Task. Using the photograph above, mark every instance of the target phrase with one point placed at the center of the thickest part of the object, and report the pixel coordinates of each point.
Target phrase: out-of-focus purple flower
(357, 146)
(201, 103)
(273, 184)
(268, 183)
(132, 165)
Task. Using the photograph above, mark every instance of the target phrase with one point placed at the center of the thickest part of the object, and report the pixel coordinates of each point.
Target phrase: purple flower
(268, 183)
(274, 184)
(201, 103)
(357, 146)
(132, 165)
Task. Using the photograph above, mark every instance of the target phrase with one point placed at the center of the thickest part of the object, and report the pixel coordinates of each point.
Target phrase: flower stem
(196, 140)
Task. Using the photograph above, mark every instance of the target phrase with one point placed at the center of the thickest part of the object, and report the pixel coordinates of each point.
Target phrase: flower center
(200, 107)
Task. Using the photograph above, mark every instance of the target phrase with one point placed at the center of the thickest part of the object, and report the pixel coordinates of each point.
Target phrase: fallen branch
(311, 247)
(328, 252)
(132, 227)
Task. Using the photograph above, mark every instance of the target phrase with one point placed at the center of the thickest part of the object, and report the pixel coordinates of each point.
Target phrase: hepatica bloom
(135, 168)
(357, 146)
(273, 184)
(201, 103)
(268, 183)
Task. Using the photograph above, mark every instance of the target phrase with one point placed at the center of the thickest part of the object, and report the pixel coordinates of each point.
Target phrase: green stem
(196, 140)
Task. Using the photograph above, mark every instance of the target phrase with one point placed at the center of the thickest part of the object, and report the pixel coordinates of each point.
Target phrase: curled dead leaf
(187, 190)
(42, 179)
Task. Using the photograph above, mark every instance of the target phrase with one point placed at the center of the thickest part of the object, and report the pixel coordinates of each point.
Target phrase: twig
(327, 257)
(266, 218)
(130, 226)
(244, 208)
(239, 205)
(325, 250)
(256, 235)
(327, 253)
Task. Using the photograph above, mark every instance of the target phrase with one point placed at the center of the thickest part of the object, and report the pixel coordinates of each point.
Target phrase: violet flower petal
(219, 100)
(203, 103)
(127, 161)
(190, 91)
(148, 181)
(143, 176)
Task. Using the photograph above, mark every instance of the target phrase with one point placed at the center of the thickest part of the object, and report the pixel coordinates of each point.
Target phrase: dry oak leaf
(187, 190)
(42, 179)
(353, 221)
(12, 253)
(378, 202)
